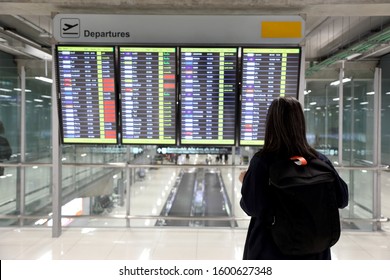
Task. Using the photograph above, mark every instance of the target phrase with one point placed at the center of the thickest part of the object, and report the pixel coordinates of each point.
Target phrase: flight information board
(267, 73)
(148, 88)
(86, 81)
(208, 84)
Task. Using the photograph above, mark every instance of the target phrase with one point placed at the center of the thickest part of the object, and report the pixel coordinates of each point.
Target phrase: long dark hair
(285, 131)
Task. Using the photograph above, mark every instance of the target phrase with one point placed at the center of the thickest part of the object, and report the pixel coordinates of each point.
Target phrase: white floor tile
(162, 244)
(351, 254)
(88, 252)
(11, 252)
(169, 252)
(130, 251)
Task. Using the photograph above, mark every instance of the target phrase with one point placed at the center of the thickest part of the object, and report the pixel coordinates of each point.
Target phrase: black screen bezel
(204, 142)
(258, 142)
(144, 141)
(60, 105)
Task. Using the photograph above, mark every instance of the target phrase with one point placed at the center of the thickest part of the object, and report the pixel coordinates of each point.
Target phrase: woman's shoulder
(263, 158)
(321, 156)
(263, 155)
(272, 156)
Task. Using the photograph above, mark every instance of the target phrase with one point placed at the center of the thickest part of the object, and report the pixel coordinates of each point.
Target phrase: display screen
(86, 81)
(208, 85)
(148, 89)
(267, 73)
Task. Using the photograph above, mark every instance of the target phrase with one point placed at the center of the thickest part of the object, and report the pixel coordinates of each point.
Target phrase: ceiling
(333, 30)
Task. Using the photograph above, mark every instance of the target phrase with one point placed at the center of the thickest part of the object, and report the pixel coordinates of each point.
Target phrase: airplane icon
(69, 26)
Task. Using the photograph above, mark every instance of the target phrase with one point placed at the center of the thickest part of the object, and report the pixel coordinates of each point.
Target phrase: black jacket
(5, 148)
(256, 203)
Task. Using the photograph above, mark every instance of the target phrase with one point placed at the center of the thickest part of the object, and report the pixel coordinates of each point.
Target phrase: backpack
(305, 217)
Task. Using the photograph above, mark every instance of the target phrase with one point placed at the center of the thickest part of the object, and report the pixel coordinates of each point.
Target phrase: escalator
(182, 200)
(199, 192)
(216, 201)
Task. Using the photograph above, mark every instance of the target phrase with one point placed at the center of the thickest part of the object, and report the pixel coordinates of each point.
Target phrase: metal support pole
(341, 115)
(376, 203)
(22, 173)
(326, 118)
(352, 181)
(232, 194)
(56, 159)
(302, 80)
(128, 196)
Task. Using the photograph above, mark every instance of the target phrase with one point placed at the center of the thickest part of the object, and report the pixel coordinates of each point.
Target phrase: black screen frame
(203, 142)
(260, 142)
(178, 127)
(145, 141)
(86, 141)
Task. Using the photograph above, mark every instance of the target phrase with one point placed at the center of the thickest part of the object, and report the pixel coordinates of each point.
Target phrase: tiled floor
(162, 244)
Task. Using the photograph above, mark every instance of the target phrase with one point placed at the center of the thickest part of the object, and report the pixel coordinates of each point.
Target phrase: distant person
(285, 137)
(5, 148)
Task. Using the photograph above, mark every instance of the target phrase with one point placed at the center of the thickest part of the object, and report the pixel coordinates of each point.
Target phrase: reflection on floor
(162, 244)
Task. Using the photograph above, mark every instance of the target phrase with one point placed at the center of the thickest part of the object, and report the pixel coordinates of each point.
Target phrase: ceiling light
(19, 89)
(336, 83)
(45, 35)
(352, 56)
(346, 80)
(370, 93)
(24, 39)
(44, 79)
(31, 24)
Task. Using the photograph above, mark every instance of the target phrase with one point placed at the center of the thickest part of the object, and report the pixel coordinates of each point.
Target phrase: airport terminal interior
(85, 176)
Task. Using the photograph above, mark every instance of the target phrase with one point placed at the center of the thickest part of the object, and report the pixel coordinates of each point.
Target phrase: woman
(5, 148)
(285, 136)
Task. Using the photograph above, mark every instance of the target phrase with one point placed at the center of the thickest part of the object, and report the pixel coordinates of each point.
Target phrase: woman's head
(286, 128)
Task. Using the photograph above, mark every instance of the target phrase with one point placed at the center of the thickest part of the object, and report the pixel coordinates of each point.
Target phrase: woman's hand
(241, 176)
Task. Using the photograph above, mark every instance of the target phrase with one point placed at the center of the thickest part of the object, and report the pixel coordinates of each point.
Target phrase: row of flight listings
(171, 95)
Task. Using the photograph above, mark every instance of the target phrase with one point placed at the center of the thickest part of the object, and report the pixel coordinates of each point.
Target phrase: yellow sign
(281, 29)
